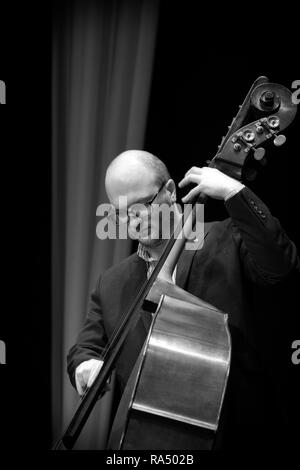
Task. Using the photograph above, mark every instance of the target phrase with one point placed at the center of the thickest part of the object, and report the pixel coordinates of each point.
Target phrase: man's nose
(139, 213)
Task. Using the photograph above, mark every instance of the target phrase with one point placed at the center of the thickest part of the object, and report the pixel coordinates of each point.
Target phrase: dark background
(25, 322)
(204, 66)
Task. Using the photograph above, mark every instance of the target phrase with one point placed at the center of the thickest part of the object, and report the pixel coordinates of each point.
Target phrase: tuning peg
(279, 140)
(259, 153)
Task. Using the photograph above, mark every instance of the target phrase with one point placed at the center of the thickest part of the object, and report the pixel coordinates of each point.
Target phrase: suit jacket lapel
(185, 262)
(138, 274)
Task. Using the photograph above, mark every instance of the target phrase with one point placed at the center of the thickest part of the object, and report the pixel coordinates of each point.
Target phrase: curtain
(102, 63)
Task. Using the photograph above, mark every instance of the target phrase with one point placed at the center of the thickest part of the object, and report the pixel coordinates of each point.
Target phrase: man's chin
(150, 241)
(146, 238)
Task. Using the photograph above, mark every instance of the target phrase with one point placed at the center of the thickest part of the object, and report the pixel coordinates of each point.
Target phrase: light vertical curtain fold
(102, 63)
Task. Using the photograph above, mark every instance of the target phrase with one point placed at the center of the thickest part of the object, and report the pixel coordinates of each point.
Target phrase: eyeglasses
(114, 214)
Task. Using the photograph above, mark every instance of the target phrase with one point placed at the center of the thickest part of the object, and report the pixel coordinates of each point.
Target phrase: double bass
(174, 395)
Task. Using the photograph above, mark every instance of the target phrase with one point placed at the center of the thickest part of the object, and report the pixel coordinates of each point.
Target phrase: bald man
(247, 251)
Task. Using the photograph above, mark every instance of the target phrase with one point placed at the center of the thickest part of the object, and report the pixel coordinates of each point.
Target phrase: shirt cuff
(233, 192)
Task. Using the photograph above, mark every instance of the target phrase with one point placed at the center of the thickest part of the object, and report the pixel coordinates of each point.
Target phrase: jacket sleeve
(92, 337)
(267, 254)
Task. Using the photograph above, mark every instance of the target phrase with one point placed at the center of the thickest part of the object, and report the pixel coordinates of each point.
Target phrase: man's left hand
(209, 181)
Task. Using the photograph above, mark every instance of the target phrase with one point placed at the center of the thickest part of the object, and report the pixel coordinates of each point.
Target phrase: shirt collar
(143, 253)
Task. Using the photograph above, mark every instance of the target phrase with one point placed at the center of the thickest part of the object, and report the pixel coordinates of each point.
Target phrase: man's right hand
(86, 373)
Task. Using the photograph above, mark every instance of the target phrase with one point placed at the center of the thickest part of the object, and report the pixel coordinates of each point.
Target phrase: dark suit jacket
(242, 256)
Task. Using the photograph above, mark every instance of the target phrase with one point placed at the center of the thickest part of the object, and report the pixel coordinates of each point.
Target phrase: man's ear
(171, 188)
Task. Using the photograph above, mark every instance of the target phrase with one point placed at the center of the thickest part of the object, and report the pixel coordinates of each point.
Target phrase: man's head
(139, 176)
